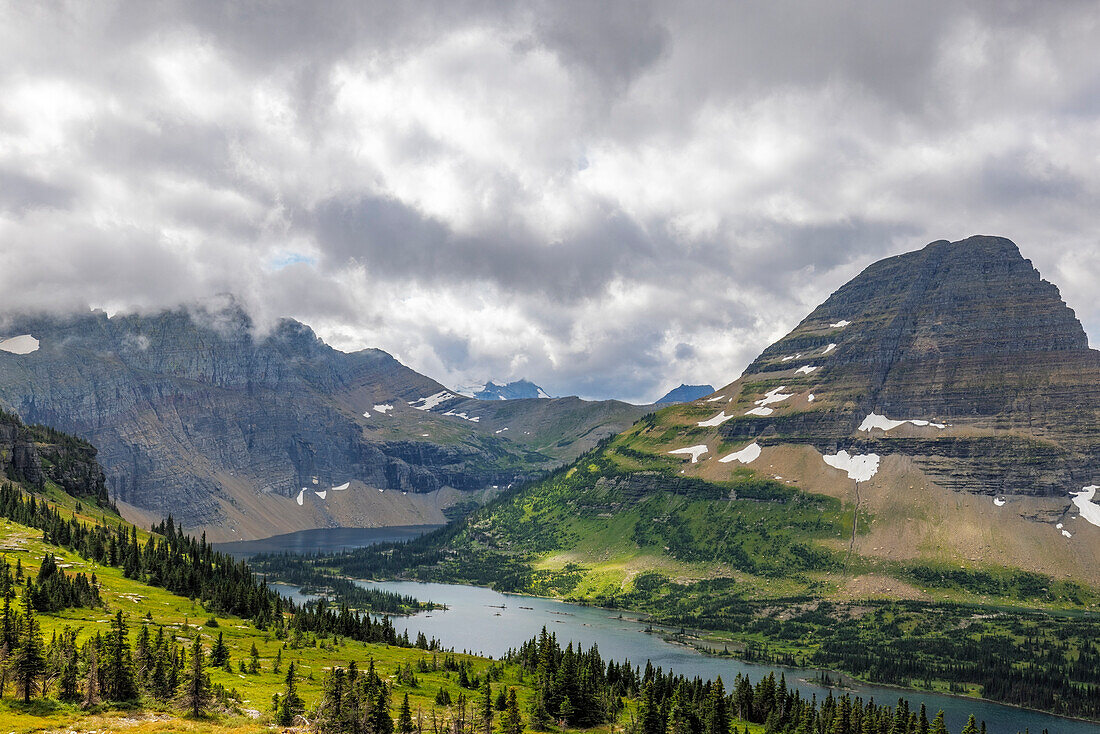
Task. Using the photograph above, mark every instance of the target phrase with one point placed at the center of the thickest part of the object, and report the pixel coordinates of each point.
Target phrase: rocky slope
(515, 390)
(247, 435)
(33, 455)
(944, 402)
(685, 394)
(965, 334)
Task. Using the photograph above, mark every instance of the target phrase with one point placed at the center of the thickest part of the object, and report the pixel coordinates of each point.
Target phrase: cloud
(605, 198)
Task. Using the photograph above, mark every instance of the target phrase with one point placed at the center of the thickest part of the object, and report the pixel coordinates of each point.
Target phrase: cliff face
(962, 333)
(35, 454)
(197, 415)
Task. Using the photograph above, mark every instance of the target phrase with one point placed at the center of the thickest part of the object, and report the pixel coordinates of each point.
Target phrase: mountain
(35, 455)
(517, 390)
(245, 435)
(932, 428)
(685, 394)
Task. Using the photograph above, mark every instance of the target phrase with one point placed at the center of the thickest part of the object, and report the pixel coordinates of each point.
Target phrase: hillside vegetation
(105, 627)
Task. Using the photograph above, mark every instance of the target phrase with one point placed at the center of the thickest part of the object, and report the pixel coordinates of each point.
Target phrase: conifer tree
(511, 720)
(29, 661)
(91, 677)
(487, 706)
(679, 721)
(290, 703)
(118, 669)
(219, 653)
(196, 686)
(938, 727)
(405, 723)
(971, 726)
(718, 719)
(68, 688)
(381, 721)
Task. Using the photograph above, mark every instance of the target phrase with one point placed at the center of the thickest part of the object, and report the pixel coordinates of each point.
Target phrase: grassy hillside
(755, 566)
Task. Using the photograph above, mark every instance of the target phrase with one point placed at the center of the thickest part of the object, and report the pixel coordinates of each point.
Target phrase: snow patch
(695, 451)
(715, 421)
(366, 414)
(999, 501)
(840, 324)
(807, 369)
(298, 499)
(760, 411)
(342, 487)
(793, 356)
(22, 344)
(463, 416)
(810, 398)
(874, 420)
(542, 394)
(501, 430)
(860, 467)
(383, 408)
(774, 396)
(322, 494)
(746, 455)
(1084, 501)
(716, 399)
(1066, 533)
(432, 400)
(829, 348)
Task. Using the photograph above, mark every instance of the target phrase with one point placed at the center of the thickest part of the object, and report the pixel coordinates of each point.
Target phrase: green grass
(185, 618)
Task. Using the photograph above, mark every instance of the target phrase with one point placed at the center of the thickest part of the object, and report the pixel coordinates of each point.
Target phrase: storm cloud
(608, 199)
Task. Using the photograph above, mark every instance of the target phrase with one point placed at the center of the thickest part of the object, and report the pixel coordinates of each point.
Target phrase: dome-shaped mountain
(965, 334)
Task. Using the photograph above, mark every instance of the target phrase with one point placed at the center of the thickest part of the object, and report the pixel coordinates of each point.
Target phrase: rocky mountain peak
(965, 333)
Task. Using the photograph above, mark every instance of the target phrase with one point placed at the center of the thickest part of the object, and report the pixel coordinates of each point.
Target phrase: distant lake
(485, 621)
(323, 540)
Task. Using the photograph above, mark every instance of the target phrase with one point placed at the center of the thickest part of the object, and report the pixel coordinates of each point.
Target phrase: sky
(605, 198)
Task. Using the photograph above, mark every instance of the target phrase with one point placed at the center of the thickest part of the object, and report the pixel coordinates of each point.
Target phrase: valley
(116, 658)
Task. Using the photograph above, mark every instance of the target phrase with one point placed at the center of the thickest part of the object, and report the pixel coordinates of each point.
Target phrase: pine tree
(405, 723)
(381, 721)
(219, 653)
(29, 660)
(938, 727)
(196, 686)
(254, 660)
(679, 721)
(511, 720)
(69, 685)
(971, 726)
(487, 706)
(91, 677)
(718, 719)
(118, 669)
(649, 713)
(290, 703)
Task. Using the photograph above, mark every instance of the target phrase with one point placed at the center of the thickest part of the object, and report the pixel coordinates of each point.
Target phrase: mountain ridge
(244, 435)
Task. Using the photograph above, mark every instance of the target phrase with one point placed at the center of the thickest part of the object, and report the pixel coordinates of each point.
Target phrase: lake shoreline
(643, 618)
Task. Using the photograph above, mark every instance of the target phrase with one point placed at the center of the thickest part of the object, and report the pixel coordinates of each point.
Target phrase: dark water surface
(485, 621)
(323, 540)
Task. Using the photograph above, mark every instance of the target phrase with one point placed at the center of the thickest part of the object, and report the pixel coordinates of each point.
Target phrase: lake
(322, 540)
(488, 622)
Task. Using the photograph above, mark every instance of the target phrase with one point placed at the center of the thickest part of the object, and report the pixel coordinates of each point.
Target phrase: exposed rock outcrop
(962, 333)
